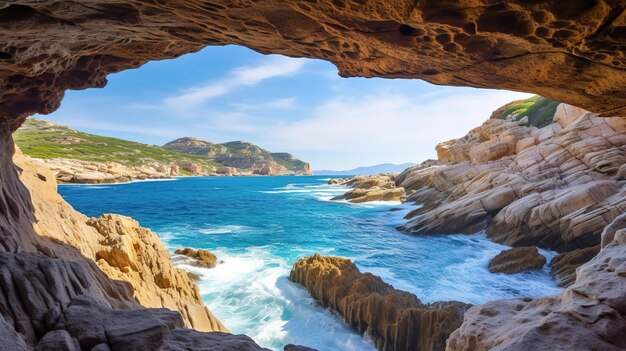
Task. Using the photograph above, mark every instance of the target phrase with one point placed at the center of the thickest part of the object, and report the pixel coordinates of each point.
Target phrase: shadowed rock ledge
(395, 320)
(568, 51)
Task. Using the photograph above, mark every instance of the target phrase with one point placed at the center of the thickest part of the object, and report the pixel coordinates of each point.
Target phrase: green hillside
(539, 110)
(238, 154)
(42, 139)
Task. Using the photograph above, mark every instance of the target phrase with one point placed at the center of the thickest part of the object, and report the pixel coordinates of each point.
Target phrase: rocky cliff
(555, 187)
(539, 174)
(395, 320)
(71, 282)
(568, 51)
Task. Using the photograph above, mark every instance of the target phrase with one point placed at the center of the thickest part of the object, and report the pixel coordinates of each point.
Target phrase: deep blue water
(260, 226)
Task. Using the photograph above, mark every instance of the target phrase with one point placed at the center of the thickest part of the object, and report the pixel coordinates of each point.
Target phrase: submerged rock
(563, 266)
(200, 258)
(395, 320)
(517, 260)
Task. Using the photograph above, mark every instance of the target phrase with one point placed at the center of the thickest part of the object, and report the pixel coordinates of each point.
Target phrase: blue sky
(299, 106)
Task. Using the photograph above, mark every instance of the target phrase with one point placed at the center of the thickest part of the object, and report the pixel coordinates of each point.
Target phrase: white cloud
(278, 104)
(361, 130)
(269, 67)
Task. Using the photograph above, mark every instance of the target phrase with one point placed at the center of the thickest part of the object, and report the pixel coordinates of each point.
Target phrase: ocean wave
(250, 294)
(225, 229)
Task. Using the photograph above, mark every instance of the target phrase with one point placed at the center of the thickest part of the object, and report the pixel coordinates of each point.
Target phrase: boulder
(200, 258)
(517, 260)
(564, 265)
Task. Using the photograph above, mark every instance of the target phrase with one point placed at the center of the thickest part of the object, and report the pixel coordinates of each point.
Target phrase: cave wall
(570, 51)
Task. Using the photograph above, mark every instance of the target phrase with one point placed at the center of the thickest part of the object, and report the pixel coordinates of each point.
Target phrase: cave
(571, 52)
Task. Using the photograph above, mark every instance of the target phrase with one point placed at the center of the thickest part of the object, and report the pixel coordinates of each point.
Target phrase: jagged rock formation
(379, 187)
(70, 282)
(589, 315)
(563, 266)
(517, 260)
(570, 52)
(555, 187)
(394, 319)
(199, 258)
(122, 249)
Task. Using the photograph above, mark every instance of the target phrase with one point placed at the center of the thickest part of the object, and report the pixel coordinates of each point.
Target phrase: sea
(260, 226)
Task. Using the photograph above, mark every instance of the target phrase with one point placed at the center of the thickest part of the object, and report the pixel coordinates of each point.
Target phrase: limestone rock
(200, 258)
(393, 319)
(555, 187)
(589, 315)
(369, 188)
(122, 249)
(516, 260)
(563, 266)
(191, 340)
(570, 52)
(89, 172)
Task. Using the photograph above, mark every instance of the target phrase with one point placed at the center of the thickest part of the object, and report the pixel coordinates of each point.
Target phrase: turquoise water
(260, 226)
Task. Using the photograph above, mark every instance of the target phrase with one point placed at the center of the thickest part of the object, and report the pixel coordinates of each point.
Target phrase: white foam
(250, 294)
(225, 229)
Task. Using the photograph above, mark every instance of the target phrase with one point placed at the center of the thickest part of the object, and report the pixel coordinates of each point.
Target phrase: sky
(282, 104)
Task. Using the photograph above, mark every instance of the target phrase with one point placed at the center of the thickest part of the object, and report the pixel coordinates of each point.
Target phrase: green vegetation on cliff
(42, 139)
(239, 154)
(538, 109)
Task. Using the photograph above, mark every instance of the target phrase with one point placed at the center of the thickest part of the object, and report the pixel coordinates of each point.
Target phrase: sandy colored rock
(200, 258)
(563, 266)
(589, 315)
(557, 192)
(122, 249)
(393, 319)
(367, 188)
(89, 172)
(570, 52)
(517, 260)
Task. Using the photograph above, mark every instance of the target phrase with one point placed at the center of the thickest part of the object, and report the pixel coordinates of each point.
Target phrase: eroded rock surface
(394, 319)
(589, 315)
(563, 266)
(367, 188)
(199, 258)
(570, 52)
(555, 187)
(517, 260)
(54, 290)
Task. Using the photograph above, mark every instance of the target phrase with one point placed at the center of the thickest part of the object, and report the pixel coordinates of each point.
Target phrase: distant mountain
(241, 155)
(381, 168)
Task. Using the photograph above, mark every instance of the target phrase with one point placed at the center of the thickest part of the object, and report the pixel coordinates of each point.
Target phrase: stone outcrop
(70, 282)
(393, 319)
(555, 187)
(199, 258)
(89, 172)
(369, 188)
(122, 249)
(517, 260)
(570, 52)
(589, 315)
(563, 266)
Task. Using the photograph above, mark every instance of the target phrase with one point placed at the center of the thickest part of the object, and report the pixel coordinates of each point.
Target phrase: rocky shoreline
(561, 187)
(69, 171)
